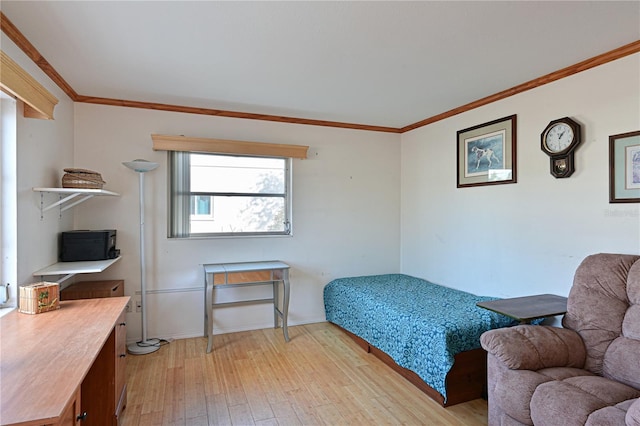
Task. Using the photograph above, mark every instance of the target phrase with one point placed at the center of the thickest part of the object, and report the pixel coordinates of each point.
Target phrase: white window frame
(9, 205)
(180, 198)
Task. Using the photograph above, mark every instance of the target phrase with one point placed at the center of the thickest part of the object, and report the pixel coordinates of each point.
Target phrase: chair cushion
(598, 302)
(532, 347)
(631, 322)
(514, 388)
(622, 361)
(575, 398)
(633, 284)
(633, 414)
(613, 415)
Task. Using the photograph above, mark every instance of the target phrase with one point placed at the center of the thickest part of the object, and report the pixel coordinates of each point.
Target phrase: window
(9, 203)
(228, 195)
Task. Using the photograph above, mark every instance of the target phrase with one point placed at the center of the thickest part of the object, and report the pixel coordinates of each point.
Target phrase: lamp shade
(141, 166)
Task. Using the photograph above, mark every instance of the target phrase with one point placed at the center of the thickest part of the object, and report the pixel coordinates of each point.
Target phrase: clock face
(559, 137)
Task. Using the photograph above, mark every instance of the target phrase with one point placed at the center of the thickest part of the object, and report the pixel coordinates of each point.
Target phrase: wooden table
(525, 309)
(46, 360)
(227, 275)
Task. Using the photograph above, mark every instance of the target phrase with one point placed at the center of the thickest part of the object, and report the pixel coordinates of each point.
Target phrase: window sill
(4, 311)
(233, 237)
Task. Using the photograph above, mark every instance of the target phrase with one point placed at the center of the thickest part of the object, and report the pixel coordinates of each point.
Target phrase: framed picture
(624, 168)
(487, 153)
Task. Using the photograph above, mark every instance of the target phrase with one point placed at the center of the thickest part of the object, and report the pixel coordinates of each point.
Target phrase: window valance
(223, 146)
(39, 102)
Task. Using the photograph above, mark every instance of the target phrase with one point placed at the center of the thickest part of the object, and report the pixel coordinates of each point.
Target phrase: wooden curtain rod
(225, 146)
(14, 80)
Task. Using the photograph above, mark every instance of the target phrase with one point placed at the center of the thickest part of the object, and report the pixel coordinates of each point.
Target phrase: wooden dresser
(64, 367)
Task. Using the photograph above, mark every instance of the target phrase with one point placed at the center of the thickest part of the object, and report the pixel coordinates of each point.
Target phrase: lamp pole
(145, 346)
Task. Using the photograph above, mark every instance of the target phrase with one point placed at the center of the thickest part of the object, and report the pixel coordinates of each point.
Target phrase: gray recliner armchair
(586, 373)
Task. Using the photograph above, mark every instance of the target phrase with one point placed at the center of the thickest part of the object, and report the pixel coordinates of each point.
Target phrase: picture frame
(486, 153)
(624, 168)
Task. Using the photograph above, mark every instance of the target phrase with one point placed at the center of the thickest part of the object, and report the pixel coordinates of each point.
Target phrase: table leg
(276, 300)
(208, 311)
(285, 303)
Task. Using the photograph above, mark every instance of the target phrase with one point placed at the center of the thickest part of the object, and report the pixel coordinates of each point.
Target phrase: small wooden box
(39, 297)
(93, 290)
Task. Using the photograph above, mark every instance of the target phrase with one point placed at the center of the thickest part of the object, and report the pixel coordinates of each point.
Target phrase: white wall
(528, 237)
(364, 202)
(44, 149)
(346, 212)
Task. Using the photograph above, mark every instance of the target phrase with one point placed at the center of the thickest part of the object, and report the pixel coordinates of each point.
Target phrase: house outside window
(201, 206)
(229, 195)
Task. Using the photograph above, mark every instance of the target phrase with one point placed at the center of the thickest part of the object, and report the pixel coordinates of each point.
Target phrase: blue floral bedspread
(421, 325)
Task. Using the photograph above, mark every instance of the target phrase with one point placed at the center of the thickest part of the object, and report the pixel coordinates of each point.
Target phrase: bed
(428, 333)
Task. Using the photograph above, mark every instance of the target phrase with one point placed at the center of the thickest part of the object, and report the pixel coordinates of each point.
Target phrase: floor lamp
(145, 346)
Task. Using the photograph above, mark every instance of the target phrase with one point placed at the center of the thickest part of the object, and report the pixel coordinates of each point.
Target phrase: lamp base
(143, 348)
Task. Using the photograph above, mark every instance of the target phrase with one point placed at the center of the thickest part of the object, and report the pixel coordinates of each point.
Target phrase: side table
(525, 309)
(228, 275)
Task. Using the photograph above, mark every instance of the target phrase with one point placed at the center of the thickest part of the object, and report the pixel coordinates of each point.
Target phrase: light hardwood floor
(321, 377)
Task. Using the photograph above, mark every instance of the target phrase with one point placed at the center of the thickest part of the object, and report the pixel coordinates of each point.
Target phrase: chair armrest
(633, 414)
(532, 347)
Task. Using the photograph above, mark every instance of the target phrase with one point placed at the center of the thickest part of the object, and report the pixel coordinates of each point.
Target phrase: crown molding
(29, 49)
(21, 41)
(621, 52)
(232, 114)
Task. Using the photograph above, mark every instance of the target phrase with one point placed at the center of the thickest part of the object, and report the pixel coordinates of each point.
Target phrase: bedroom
(506, 240)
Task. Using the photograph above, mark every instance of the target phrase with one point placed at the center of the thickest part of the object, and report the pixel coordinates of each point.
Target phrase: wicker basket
(82, 178)
(39, 297)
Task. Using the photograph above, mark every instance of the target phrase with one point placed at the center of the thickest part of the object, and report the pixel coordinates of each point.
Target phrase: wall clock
(559, 141)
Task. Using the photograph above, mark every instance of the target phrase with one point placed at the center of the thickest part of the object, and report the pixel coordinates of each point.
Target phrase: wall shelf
(69, 269)
(70, 197)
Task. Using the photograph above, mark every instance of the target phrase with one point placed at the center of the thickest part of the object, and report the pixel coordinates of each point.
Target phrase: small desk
(525, 309)
(227, 275)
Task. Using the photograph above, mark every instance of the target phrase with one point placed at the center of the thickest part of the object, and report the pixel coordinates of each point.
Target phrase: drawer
(121, 364)
(93, 290)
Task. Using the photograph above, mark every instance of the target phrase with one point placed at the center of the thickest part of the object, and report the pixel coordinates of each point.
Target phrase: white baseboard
(217, 331)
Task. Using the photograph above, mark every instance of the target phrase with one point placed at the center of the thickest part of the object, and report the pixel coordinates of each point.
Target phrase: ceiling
(381, 63)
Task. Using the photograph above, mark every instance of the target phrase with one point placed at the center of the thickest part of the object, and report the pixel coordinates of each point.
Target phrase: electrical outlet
(128, 308)
(138, 306)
